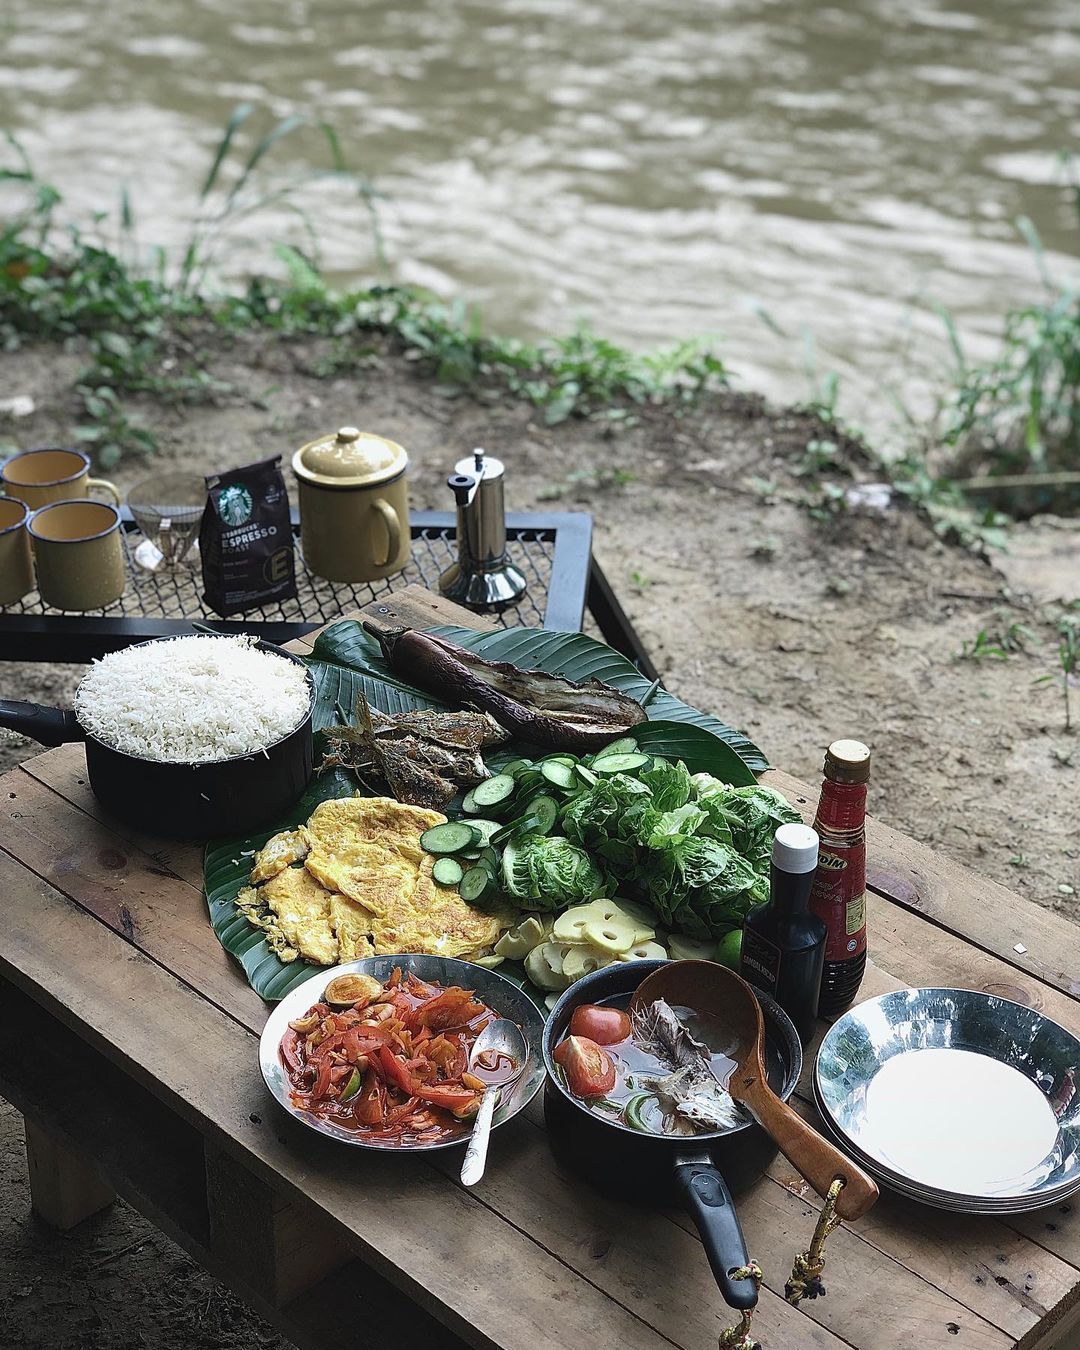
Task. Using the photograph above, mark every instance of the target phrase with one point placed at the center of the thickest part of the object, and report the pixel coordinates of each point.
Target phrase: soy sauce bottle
(838, 897)
(783, 944)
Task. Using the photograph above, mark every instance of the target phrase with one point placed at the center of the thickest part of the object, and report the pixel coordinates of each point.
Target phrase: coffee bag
(246, 539)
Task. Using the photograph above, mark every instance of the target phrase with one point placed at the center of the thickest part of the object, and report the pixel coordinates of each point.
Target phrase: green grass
(142, 315)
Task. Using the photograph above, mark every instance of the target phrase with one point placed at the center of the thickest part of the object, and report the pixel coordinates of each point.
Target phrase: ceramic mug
(16, 564)
(79, 554)
(40, 477)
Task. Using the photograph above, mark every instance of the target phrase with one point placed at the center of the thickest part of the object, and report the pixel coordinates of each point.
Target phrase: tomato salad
(390, 1060)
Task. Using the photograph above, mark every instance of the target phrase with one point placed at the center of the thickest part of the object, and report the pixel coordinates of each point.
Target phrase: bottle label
(759, 961)
(838, 898)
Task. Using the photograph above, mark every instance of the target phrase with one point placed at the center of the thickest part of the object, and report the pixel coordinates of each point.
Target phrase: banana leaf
(346, 660)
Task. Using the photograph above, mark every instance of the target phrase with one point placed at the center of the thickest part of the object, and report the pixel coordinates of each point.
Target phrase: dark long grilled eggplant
(545, 710)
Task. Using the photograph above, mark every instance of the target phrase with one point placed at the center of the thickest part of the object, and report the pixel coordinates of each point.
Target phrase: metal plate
(498, 993)
(957, 1098)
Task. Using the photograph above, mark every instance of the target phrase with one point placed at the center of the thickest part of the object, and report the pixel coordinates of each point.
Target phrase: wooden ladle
(729, 1003)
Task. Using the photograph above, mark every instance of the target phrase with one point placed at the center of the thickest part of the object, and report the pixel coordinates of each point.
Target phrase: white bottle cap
(795, 848)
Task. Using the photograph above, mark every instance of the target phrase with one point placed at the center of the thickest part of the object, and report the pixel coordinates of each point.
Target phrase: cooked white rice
(192, 699)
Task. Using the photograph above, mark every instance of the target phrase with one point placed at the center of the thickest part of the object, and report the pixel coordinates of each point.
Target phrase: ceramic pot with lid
(354, 505)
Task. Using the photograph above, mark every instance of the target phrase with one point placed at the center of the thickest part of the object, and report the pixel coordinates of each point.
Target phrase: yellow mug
(16, 564)
(79, 554)
(40, 477)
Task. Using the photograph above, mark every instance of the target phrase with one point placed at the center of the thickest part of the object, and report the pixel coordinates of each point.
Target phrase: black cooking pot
(661, 1170)
(184, 801)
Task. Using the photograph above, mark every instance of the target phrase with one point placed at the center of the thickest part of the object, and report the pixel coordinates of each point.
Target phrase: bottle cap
(847, 762)
(795, 848)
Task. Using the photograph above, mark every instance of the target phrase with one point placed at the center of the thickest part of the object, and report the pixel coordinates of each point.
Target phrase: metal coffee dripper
(483, 578)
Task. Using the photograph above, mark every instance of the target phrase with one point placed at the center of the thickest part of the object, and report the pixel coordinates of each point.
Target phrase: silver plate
(960, 1099)
(500, 994)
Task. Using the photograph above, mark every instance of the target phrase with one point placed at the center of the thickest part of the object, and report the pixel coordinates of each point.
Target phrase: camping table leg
(66, 1185)
(276, 1247)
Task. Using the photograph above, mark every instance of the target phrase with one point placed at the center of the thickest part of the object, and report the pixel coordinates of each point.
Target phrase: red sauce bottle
(838, 895)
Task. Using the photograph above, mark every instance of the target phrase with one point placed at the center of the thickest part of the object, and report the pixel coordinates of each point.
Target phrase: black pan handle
(711, 1207)
(47, 726)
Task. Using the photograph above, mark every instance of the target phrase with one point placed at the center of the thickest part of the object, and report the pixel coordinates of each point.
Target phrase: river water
(660, 170)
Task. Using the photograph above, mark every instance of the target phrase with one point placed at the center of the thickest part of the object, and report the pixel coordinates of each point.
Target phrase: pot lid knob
(350, 458)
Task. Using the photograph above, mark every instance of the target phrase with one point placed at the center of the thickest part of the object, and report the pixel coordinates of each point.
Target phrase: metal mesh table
(553, 551)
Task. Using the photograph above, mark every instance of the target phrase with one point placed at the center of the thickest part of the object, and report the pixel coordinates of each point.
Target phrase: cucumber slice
(514, 829)
(570, 760)
(545, 810)
(486, 828)
(619, 763)
(468, 804)
(448, 871)
(515, 767)
(490, 859)
(586, 775)
(528, 780)
(493, 790)
(452, 837)
(557, 773)
(476, 884)
(625, 745)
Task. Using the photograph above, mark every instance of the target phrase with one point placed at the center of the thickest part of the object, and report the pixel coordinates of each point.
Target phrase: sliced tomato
(369, 1104)
(605, 1026)
(394, 1071)
(461, 1101)
(290, 1051)
(589, 1070)
(454, 1007)
(322, 1081)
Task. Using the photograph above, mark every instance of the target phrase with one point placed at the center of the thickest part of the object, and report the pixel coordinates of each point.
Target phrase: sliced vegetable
(543, 965)
(599, 1023)
(476, 884)
(558, 773)
(545, 811)
(589, 1069)
(624, 763)
(625, 745)
(447, 872)
(645, 951)
(352, 1087)
(493, 790)
(452, 837)
(580, 960)
(586, 775)
(516, 944)
(614, 936)
(634, 1111)
(684, 948)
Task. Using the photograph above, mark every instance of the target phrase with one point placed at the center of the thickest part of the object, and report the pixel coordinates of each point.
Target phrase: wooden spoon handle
(819, 1161)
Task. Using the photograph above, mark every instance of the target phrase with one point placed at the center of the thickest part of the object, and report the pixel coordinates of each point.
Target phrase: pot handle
(713, 1211)
(393, 530)
(47, 726)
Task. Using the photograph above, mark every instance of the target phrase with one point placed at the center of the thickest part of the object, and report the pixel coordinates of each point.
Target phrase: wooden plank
(130, 892)
(416, 607)
(279, 1247)
(988, 915)
(441, 1245)
(66, 1186)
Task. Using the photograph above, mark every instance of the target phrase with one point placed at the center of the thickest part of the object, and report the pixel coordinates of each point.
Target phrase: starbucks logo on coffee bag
(235, 504)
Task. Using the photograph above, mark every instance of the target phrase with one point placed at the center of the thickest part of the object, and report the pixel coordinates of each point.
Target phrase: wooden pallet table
(128, 1042)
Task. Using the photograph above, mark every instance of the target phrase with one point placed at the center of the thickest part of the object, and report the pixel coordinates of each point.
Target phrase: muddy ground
(797, 626)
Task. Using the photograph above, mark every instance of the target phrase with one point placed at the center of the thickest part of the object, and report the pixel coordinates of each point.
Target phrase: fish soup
(670, 1073)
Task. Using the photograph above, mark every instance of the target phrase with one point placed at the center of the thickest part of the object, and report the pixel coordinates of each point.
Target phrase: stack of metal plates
(958, 1099)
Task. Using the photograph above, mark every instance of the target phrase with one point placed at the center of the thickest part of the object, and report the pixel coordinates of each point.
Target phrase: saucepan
(181, 800)
(699, 1172)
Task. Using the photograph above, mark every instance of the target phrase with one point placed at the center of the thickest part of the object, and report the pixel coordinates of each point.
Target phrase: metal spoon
(502, 1037)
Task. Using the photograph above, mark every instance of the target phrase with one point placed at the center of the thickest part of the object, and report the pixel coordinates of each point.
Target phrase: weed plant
(143, 318)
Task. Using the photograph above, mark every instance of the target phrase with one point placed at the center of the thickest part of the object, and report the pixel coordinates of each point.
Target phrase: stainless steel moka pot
(483, 578)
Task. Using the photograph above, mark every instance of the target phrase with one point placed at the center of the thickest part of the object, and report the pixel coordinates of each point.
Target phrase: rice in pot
(192, 699)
